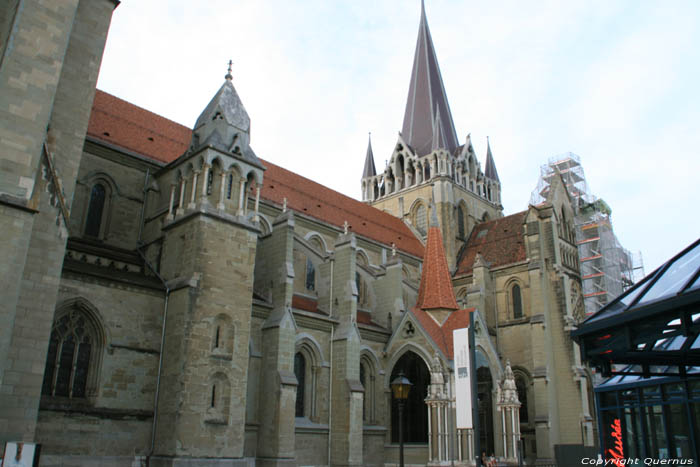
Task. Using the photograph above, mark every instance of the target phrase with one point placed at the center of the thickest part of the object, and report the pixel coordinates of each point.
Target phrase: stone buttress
(347, 391)
(277, 408)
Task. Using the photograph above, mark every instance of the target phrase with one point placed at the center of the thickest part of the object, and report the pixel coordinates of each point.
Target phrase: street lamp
(400, 387)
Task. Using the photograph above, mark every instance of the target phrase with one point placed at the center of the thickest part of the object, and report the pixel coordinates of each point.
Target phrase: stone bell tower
(429, 165)
(208, 259)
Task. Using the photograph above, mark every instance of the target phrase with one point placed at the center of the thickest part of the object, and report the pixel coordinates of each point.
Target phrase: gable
(442, 335)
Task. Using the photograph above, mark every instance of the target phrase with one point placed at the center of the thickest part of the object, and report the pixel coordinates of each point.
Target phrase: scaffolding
(607, 269)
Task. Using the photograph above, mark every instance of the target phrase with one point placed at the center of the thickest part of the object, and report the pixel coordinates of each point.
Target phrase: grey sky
(614, 82)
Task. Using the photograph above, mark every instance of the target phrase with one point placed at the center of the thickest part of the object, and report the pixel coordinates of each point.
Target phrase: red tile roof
(442, 335)
(500, 242)
(435, 289)
(121, 123)
(304, 303)
(364, 317)
(320, 202)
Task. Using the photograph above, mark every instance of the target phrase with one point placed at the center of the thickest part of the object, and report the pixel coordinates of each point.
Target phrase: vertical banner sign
(463, 374)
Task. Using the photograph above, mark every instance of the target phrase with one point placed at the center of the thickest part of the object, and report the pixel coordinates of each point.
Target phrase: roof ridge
(499, 219)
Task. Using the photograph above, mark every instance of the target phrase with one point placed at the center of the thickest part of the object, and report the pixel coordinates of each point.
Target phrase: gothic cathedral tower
(429, 165)
(208, 261)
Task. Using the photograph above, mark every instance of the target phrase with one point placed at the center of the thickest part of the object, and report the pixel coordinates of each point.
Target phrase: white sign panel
(463, 374)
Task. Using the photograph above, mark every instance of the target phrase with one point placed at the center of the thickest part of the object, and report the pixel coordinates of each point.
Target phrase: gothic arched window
(300, 373)
(310, 282)
(362, 292)
(460, 222)
(93, 221)
(517, 302)
(73, 349)
(421, 221)
(521, 387)
(367, 379)
(363, 381)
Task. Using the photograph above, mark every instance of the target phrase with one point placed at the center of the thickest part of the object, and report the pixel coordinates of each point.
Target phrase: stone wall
(47, 79)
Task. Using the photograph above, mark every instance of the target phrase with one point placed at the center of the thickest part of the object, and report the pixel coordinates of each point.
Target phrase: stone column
(181, 205)
(193, 191)
(205, 183)
(172, 201)
(257, 203)
(241, 198)
(220, 204)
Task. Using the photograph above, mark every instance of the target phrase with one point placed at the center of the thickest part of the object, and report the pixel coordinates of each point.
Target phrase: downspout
(495, 316)
(330, 371)
(160, 357)
(143, 206)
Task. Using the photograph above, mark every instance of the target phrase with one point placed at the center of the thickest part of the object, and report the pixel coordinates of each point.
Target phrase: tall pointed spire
(490, 169)
(435, 290)
(370, 170)
(428, 113)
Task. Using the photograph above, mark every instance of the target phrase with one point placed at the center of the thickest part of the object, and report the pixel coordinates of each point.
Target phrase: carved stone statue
(509, 392)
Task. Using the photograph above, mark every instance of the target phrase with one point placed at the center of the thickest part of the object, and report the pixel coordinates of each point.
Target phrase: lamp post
(400, 387)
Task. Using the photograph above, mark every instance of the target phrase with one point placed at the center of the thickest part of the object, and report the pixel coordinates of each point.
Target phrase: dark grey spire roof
(370, 170)
(490, 170)
(228, 105)
(427, 123)
(224, 124)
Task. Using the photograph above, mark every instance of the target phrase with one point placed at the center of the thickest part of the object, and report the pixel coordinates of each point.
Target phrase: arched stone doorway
(484, 383)
(415, 419)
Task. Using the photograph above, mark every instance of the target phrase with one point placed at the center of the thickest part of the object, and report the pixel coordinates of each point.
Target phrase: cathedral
(170, 298)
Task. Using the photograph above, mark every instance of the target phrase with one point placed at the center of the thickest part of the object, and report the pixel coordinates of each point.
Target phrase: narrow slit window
(229, 188)
(210, 180)
(300, 373)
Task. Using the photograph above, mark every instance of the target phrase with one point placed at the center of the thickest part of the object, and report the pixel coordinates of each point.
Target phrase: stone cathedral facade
(170, 298)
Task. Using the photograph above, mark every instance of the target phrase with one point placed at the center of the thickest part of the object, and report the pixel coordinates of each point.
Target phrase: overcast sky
(616, 82)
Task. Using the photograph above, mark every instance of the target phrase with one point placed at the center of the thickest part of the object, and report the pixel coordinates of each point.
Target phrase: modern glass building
(645, 343)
